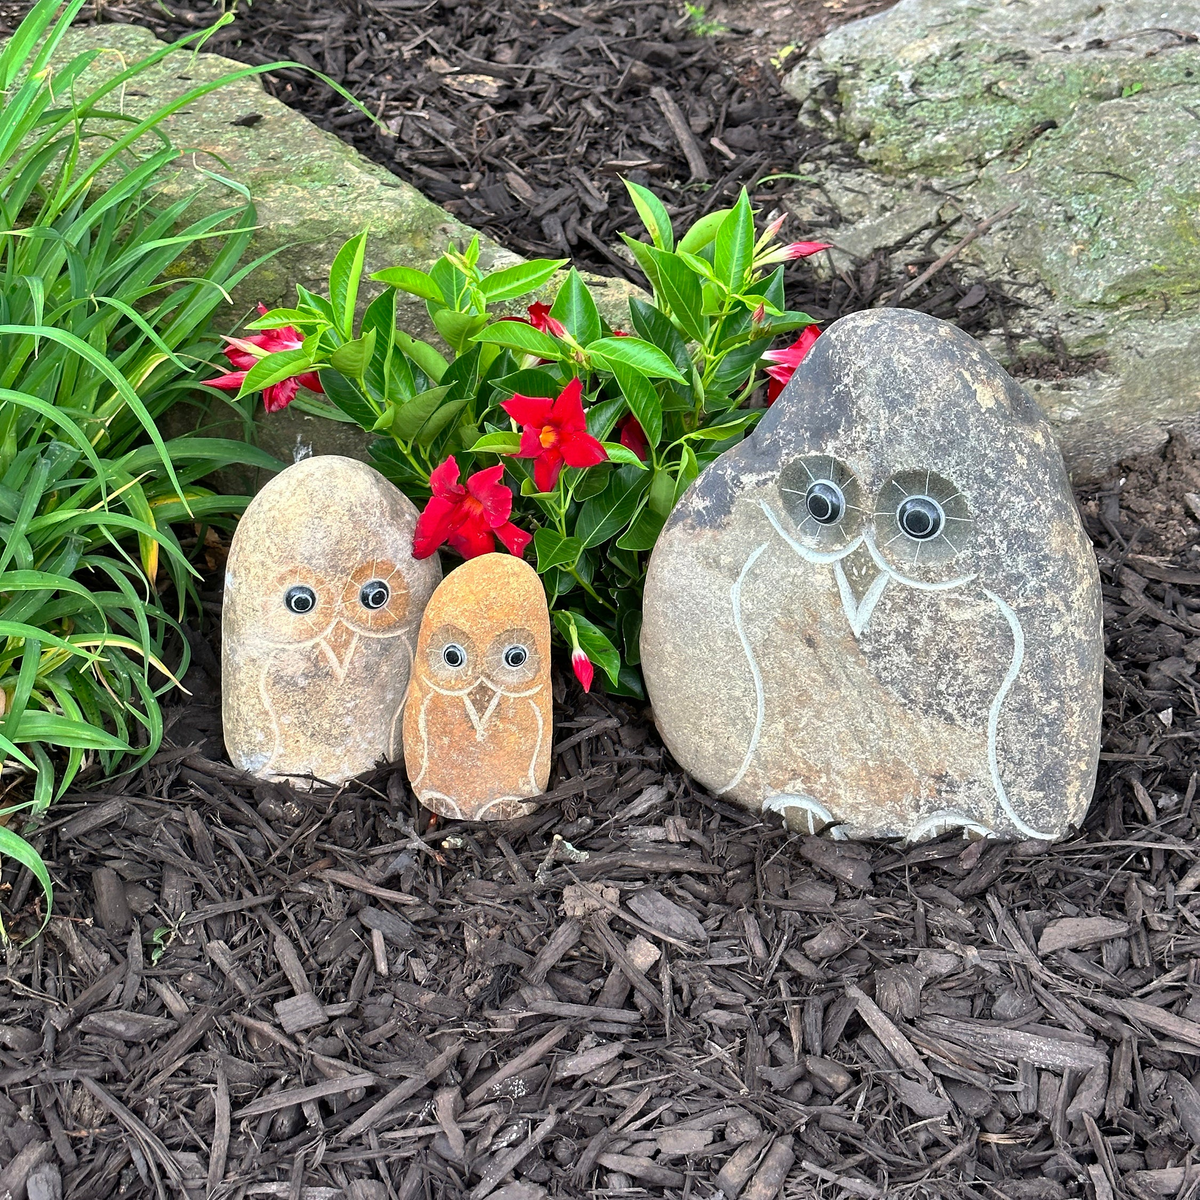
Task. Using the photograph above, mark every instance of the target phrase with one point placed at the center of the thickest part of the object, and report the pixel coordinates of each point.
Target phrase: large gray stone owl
(880, 614)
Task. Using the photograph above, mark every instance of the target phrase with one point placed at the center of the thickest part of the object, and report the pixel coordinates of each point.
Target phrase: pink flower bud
(582, 666)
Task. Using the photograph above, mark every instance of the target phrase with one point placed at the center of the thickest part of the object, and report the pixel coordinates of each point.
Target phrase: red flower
(243, 353)
(787, 360)
(555, 432)
(582, 666)
(633, 437)
(467, 517)
(540, 318)
(804, 249)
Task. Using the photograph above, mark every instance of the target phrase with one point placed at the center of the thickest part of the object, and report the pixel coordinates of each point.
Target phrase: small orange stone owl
(479, 720)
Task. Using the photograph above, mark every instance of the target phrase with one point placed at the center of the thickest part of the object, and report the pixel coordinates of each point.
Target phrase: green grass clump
(105, 318)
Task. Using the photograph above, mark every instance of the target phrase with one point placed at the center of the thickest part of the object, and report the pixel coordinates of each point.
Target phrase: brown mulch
(639, 990)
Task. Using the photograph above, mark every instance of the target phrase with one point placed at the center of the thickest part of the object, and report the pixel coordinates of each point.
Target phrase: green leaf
(348, 397)
(457, 328)
(410, 417)
(407, 279)
(654, 215)
(497, 443)
(644, 531)
(633, 352)
(274, 369)
(622, 454)
(662, 494)
(644, 256)
(519, 279)
(640, 395)
(14, 846)
(554, 550)
(655, 327)
(702, 232)
(603, 416)
(592, 641)
(604, 516)
(351, 358)
(516, 335)
(528, 382)
(424, 355)
(438, 420)
(728, 429)
(344, 277)
(576, 309)
(680, 288)
(277, 318)
(38, 726)
(734, 244)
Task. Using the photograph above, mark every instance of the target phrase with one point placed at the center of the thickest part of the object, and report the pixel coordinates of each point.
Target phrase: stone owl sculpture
(478, 726)
(880, 614)
(323, 600)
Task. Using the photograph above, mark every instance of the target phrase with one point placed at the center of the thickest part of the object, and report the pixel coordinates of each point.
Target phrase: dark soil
(639, 990)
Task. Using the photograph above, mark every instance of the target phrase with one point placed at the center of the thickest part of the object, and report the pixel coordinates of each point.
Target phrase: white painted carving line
(735, 595)
(946, 819)
(859, 614)
(812, 556)
(883, 565)
(537, 746)
(1014, 669)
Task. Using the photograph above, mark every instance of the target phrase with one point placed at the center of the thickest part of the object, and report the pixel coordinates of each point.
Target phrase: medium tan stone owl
(478, 725)
(323, 600)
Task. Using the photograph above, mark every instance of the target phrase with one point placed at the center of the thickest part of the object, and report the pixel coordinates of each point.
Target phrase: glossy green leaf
(516, 335)
(352, 358)
(407, 279)
(14, 846)
(348, 397)
(604, 516)
(702, 232)
(641, 397)
(497, 443)
(653, 214)
(457, 328)
(623, 455)
(576, 309)
(519, 279)
(634, 353)
(734, 244)
(410, 417)
(643, 533)
(555, 550)
(344, 278)
(274, 369)
(680, 288)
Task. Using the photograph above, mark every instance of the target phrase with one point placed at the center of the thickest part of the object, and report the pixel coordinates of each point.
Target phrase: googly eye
(516, 656)
(921, 518)
(374, 594)
(300, 599)
(825, 502)
(454, 656)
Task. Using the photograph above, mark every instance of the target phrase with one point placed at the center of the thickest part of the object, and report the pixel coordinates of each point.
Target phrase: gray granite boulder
(1084, 116)
(880, 614)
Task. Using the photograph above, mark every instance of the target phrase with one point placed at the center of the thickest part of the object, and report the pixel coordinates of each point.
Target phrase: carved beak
(338, 647)
(481, 702)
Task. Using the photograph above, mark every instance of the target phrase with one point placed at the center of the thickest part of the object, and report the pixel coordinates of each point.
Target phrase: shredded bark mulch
(638, 990)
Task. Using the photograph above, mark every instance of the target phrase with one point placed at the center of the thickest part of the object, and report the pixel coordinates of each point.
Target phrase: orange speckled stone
(478, 722)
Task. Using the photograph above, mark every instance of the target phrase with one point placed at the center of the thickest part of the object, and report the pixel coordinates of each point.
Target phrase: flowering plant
(551, 428)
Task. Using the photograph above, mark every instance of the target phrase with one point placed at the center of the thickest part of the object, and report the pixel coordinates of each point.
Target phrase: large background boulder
(1087, 117)
(312, 192)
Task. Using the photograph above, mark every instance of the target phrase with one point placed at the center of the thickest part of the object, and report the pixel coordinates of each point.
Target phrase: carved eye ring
(300, 599)
(374, 594)
(515, 657)
(453, 655)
